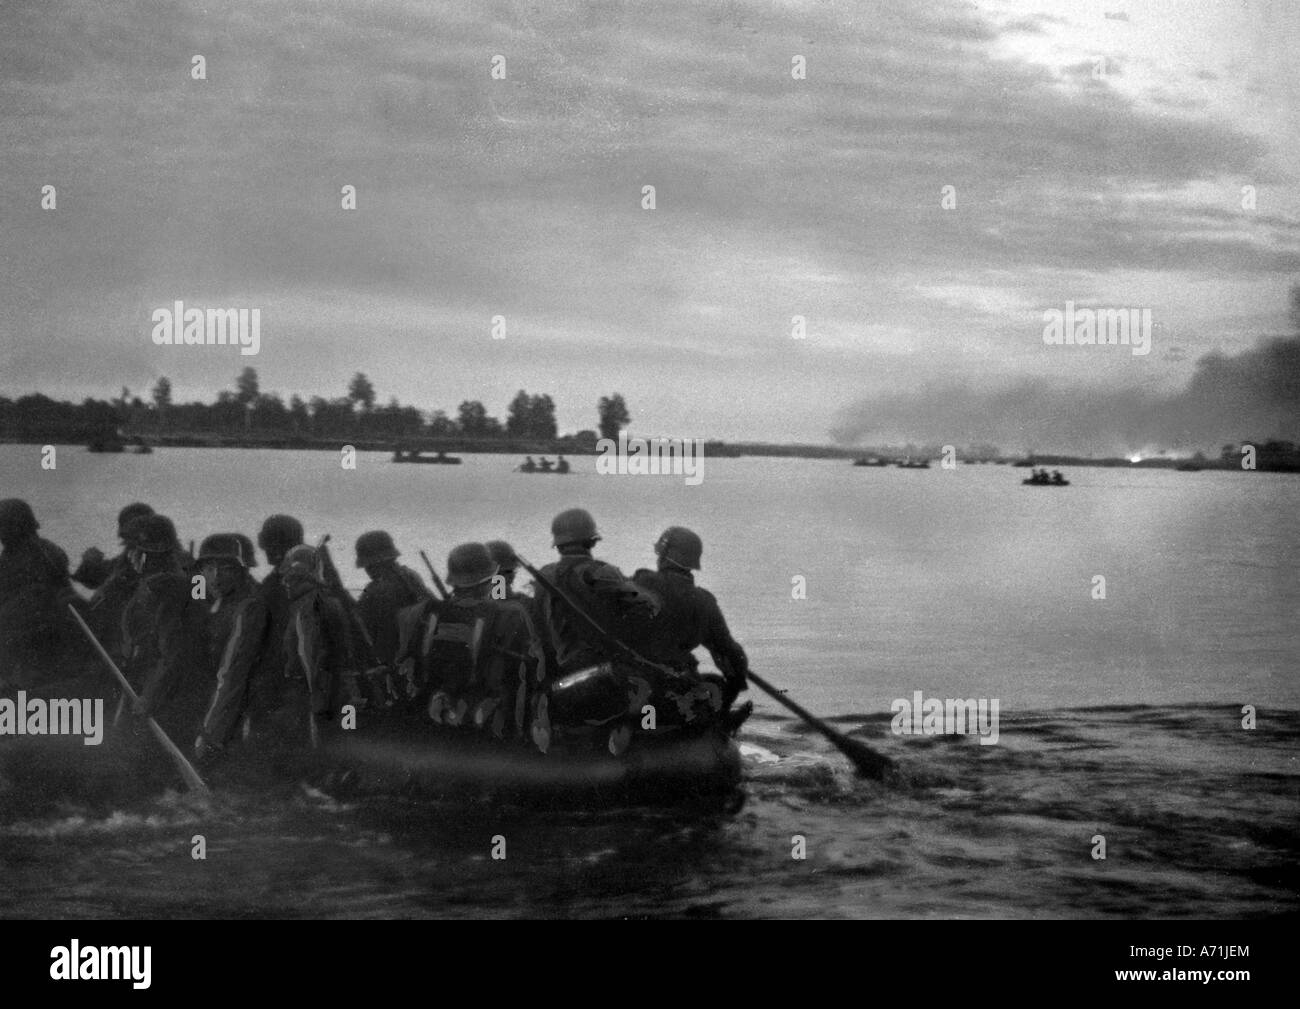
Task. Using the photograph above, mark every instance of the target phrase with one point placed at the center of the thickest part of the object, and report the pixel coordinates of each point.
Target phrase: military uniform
(605, 594)
(251, 685)
(251, 681)
(164, 637)
(471, 659)
(34, 632)
(392, 588)
(167, 655)
(690, 617)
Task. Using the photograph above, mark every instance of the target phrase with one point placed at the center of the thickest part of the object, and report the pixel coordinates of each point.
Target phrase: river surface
(1120, 717)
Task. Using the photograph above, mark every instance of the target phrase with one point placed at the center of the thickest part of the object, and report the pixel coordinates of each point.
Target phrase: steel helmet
(133, 530)
(573, 526)
(132, 511)
(155, 534)
(469, 564)
(504, 555)
(222, 547)
(280, 533)
(678, 545)
(17, 518)
(374, 547)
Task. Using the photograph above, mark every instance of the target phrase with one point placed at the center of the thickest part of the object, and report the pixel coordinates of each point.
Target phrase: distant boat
(106, 445)
(909, 464)
(1046, 483)
(543, 466)
(144, 448)
(1189, 467)
(412, 455)
(870, 461)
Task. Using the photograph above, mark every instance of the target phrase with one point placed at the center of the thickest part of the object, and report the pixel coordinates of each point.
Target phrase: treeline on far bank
(247, 416)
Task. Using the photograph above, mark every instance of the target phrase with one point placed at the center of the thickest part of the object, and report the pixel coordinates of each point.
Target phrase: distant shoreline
(571, 446)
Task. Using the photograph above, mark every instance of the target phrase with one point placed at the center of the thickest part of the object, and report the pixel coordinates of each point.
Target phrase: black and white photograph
(596, 460)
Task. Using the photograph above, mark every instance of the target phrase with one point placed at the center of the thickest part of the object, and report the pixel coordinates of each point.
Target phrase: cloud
(521, 197)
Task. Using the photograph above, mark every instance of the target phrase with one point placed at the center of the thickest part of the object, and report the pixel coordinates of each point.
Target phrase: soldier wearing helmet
(392, 588)
(94, 569)
(250, 682)
(532, 640)
(34, 589)
(475, 652)
(602, 590)
(317, 642)
(164, 631)
(114, 581)
(223, 561)
(690, 616)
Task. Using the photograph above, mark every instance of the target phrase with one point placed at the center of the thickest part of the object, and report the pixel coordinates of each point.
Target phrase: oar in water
(867, 761)
(190, 775)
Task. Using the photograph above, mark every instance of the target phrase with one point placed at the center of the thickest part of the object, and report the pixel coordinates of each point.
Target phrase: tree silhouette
(361, 392)
(613, 414)
(162, 393)
(247, 385)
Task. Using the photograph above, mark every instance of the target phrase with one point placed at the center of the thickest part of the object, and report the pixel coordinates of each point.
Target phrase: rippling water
(1119, 717)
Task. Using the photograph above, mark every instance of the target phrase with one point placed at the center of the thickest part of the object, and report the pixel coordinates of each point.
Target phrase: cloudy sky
(775, 197)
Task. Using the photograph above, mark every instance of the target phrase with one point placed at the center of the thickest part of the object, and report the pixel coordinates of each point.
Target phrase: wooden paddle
(865, 760)
(190, 775)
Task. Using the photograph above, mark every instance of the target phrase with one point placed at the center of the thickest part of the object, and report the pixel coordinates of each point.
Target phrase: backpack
(453, 650)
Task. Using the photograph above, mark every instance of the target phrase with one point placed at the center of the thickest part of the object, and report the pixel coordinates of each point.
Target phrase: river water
(1119, 716)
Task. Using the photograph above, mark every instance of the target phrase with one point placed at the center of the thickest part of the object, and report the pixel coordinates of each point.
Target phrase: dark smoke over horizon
(1251, 395)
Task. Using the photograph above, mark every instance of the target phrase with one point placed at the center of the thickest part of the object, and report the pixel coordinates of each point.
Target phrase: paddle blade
(866, 761)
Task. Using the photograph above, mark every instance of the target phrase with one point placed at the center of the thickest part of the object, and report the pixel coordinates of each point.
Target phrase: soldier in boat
(251, 686)
(35, 644)
(114, 581)
(474, 652)
(392, 588)
(318, 643)
(594, 683)
(224, 560)
(690, 615)
(165, 634)
(94, 569)
(530, 677)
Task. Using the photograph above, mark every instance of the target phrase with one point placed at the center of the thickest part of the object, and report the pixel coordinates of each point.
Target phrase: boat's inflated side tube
(589, 696)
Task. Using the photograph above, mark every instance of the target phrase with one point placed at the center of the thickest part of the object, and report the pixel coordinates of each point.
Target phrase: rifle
(437, 582)
(334, 583)
(605, 635)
